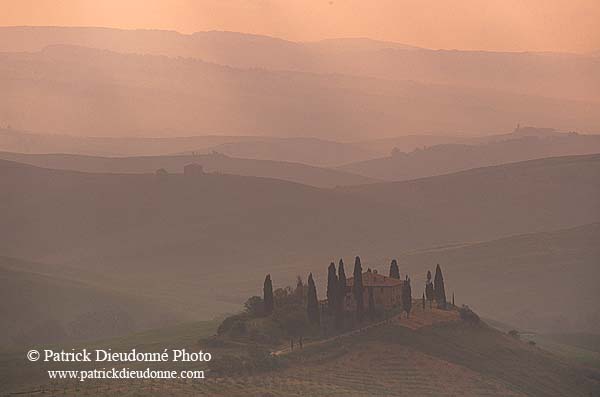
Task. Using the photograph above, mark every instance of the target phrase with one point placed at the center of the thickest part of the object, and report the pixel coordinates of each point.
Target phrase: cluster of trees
(435, 290)
(279, 313)
(312, 302)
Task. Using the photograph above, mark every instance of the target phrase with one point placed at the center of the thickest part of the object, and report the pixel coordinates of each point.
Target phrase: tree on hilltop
(255, 306)
(312, 304)
(439, 289)
(358, 288)
(332, 287)
(268, 295)
(429, 291)
(407, 297)
(394, 270)
(341, 298)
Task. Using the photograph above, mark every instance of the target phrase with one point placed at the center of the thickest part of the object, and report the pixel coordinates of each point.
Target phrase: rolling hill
(294, 172)
(475, 152)
(158, 237)
(494, 197)
(448, 359)
(312, 151)
(13, 140)
(526, 197)
(543, 281)
(91, 92)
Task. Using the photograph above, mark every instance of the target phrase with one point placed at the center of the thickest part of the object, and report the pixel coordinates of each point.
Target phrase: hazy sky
(513, 25)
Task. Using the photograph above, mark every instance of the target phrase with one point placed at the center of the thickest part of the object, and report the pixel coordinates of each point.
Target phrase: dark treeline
(295, 313)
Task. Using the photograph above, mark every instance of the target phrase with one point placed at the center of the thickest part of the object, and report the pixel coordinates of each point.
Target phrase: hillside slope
(449, 359)
(497, 197)
(443, 360)
(43, 303)
(543, 281)
(163, 235)
(500, 149)
(294, 172)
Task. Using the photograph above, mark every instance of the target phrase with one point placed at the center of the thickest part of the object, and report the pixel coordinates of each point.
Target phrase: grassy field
(446, 358)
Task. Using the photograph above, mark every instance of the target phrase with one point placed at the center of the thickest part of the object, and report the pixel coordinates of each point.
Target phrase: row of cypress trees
(336, 292)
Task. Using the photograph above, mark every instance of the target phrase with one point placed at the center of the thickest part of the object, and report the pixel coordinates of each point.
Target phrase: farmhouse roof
(374, 279)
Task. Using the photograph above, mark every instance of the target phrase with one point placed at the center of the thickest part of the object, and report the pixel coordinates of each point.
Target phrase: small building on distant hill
(387, 291)
(193, 169)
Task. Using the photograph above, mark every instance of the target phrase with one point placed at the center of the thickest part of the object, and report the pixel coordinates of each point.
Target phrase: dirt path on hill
(288, 350)
(418, 319)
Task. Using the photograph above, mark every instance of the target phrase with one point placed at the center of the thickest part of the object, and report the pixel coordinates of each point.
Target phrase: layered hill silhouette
(83, 91)
(559, 75)
(215, 162)
(523, 144)
(560, 193)
(313, 151)
(162, 235)
(398, 158)
(13, 140)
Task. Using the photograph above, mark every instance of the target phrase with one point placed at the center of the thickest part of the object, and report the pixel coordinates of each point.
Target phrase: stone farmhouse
(387, 291)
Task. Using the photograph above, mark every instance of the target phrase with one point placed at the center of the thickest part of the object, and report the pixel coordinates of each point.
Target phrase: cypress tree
(438, 286)
(453, 305)
(268, 295)
(341, 299)
(429, 292)
(312, 306)
(407, 297)
(341, 283)
(357, 288)
(332, 286)
(423, 301)
(394, 270)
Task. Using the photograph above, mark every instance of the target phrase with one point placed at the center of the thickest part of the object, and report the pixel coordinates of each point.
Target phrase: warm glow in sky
(512, 25)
